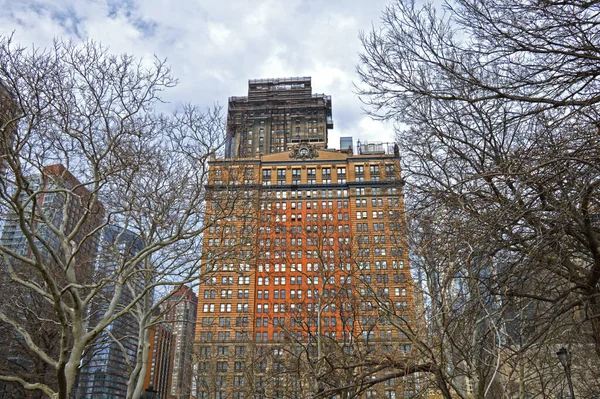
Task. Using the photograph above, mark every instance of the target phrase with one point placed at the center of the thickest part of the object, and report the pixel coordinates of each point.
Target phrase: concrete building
(305, 252)
(275, 115)
(181, 308)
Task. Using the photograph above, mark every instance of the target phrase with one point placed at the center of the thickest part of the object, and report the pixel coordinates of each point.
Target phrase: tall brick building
(159, 369)
(305, 272)
(181, 314)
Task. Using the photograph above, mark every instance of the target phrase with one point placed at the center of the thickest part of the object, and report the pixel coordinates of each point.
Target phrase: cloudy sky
(214, 46)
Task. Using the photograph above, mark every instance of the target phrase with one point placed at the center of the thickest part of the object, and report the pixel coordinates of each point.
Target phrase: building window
(266, 177)
(326, 175)
(281, 177)
(341, 175)
(390, 171)
(239, 381)
(240, 350)
(359, 173)
(221, 367)
(311, 174)
(296, 176)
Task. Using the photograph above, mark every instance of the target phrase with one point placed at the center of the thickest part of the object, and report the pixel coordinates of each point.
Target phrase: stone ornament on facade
(304, 152)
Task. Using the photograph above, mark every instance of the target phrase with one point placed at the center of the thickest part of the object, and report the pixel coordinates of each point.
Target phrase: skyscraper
(181, 308)
(55, 191)
(53, 200)
(275, 115)
(306, 264)
(109, 360)
(346, 143)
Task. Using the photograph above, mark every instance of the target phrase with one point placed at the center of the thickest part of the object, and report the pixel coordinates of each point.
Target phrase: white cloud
(214, 47)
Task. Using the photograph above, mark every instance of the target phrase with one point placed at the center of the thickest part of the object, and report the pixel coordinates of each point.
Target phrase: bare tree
(118, 161)
(497, 115)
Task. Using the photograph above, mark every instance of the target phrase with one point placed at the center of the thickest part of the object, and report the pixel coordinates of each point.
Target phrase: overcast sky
(214, 47)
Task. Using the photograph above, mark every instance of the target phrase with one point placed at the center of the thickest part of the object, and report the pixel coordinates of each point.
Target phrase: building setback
(275, 115)
(305, 252)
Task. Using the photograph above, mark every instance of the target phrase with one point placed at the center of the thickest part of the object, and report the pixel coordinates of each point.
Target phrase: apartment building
(305, 272)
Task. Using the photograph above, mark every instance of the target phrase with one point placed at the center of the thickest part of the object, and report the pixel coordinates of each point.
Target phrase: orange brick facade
(159, 367)
(303, 246)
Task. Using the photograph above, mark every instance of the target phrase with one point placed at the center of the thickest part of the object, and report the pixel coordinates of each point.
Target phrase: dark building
(8, 124)
(276, 114)
(50, 202)
(108, 361)
(346, 144)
